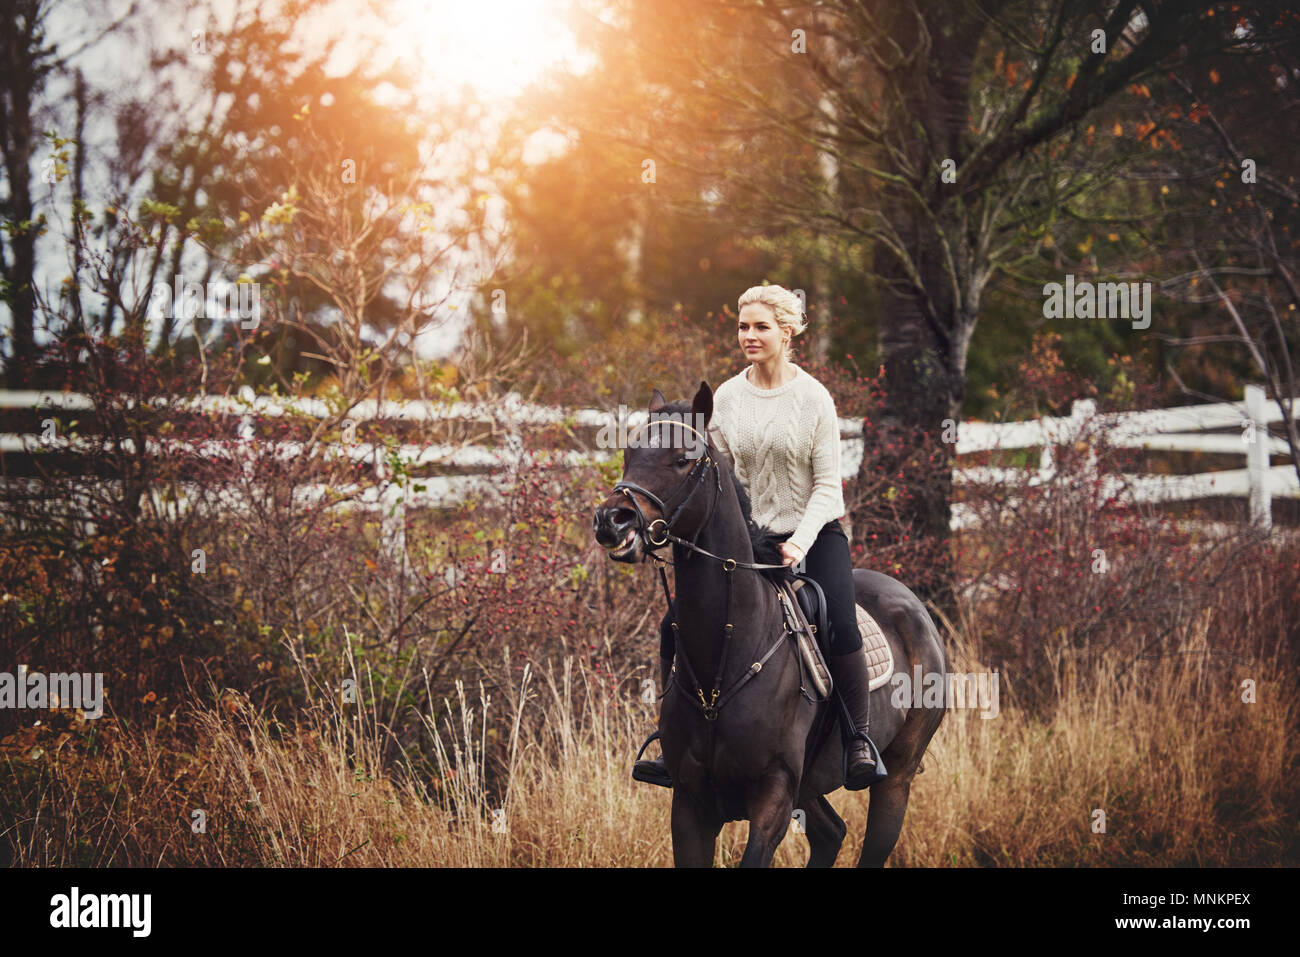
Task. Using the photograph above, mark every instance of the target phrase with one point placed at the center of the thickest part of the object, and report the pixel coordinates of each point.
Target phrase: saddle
(804, 604)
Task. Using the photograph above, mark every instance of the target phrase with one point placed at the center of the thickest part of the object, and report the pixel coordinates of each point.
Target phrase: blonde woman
(777, 426)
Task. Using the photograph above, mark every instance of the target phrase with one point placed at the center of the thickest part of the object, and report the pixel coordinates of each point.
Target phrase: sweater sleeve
(827, 499)
(717, 432)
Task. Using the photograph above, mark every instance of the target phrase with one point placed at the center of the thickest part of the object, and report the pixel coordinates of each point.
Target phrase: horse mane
(764, 541)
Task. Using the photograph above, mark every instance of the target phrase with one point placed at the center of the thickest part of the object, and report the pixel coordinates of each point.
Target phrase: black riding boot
(654, 772)
(862, 765)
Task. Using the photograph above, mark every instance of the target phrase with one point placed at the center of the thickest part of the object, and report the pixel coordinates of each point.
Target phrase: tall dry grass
(1184, 770)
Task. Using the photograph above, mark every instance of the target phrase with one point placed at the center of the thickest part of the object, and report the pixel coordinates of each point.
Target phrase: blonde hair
(787, 308)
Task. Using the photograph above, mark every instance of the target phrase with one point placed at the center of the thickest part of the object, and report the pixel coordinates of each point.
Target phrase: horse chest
(724, 759)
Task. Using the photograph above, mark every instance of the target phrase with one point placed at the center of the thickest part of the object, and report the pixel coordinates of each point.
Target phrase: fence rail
(1180, 429)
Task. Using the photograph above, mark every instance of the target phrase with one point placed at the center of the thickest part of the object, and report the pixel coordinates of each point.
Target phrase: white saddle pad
(880, 658)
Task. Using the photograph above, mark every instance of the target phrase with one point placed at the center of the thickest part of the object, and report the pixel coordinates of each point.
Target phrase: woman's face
(761, 339)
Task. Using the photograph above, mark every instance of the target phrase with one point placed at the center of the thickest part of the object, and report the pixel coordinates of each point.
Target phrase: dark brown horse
(760, 749)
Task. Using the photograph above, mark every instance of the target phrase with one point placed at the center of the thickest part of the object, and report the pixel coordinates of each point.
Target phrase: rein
(657, 539)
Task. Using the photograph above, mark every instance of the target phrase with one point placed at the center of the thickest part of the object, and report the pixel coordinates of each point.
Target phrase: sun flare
(493, 47)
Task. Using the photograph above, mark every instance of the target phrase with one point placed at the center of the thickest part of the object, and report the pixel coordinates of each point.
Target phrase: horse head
(671, 484)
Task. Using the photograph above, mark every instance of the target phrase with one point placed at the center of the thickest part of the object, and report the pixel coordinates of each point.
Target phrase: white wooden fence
(1179, 429)
(1185, 428)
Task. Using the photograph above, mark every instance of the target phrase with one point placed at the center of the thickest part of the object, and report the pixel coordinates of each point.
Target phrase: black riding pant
(828, 564)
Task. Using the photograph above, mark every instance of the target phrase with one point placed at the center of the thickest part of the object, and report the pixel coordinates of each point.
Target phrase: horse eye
(681, 460)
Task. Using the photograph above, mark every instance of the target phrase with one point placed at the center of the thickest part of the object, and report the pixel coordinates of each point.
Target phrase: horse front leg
(695, 831)
(770, 807)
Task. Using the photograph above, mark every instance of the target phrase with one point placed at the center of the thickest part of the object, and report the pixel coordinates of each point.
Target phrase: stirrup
(651, 772)
(878, 775)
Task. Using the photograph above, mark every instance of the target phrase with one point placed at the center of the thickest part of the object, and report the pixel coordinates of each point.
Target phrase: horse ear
(657, 401)
(702, 404)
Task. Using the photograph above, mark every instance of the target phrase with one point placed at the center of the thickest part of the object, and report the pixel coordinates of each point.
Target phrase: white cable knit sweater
(784, 445)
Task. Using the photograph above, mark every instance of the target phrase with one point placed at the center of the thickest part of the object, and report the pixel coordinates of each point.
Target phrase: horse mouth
(626, 547)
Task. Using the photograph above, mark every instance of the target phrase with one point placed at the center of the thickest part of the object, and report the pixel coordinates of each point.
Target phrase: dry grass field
(1186, 772)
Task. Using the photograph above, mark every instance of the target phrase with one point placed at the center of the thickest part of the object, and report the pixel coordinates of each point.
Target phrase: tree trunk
(929, 289)
(23, 76)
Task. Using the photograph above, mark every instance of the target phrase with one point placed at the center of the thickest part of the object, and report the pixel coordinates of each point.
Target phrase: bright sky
(496, 47)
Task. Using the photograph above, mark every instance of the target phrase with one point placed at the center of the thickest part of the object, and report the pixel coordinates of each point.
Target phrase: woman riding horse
(777, 426)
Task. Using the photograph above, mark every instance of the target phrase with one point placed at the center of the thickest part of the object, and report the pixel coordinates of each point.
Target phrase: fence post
(1261, 504)
(1046, 464)
(392, 514)
(1081, 413)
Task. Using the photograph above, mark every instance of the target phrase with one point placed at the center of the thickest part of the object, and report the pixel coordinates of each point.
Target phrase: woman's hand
(792, 554)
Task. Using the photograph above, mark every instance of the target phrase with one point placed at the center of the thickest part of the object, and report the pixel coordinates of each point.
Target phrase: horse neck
(702, 593)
